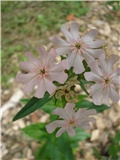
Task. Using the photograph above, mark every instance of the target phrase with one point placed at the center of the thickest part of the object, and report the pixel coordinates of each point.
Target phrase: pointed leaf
(33, 104)
(90, 105)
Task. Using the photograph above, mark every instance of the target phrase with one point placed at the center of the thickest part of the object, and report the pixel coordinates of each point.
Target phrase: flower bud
(57, 59)
(77, 88)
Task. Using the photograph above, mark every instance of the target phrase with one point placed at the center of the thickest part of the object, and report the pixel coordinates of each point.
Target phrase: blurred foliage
(114, 148)
(29, 24)
(115, 5)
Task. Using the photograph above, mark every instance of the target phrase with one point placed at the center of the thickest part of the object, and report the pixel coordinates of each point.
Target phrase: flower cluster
(59, 79)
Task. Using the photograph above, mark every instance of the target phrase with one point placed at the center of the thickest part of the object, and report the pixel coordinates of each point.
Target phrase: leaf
(81, 97)
(81, 134)
(90, 105)
(36, 131)
(86, 82)
(24, 100)
(33, 104)
(56, 148)
(84, 89)
(49, 106)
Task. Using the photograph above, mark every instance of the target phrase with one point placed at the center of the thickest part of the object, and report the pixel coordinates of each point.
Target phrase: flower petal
(24, 78)
(78, 65)
(111, 61)
(95, 52)
(88, 57)
(114, 95)
(59, 42)
(63, 50)
(46, 58)
(95, 44)
(90, 35)
(52, 126)
(27, 66)
(60, 77)
(31, 57)
(31, 84)
(71, 132)
(90, 76)
(41, 89)
(106, 96)
(49, 86)
(75, 60)
(67, 33)
(74, 30)
(69, 110)
(60, 67)
(85, 126)
(60, 112)
(116, 80)
(95, 68)
(96, 93)
(60, 131)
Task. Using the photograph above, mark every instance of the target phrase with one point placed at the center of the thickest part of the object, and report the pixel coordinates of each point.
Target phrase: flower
(42, 72)
(78, 48)
(71, 119)
(106, 80)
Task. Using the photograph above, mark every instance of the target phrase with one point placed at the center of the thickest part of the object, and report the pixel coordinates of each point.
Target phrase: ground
(26, 25)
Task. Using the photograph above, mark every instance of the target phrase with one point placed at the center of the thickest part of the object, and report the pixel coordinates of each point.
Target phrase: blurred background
(28, 24)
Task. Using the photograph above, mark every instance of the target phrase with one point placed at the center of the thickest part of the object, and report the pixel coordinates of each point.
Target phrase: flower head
(71, 119)
(106, 80)
(41, 72)
(78, 48)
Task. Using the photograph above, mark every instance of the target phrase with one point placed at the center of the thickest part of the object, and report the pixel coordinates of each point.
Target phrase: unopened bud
(57, 59)
(77, 88)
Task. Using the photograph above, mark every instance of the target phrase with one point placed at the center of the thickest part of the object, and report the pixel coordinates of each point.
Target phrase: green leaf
(24, 100)
(81, 134)
(56, 148)
(36, 131)
(31, 106)
(90, 105)
(86, 82)
(49, 106)
(84, 89)
(81, 97)
(114, 147)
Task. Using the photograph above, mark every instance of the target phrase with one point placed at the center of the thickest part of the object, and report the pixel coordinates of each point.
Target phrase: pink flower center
(72, 122)
(78, 45)
(43, 72)
(106, 81)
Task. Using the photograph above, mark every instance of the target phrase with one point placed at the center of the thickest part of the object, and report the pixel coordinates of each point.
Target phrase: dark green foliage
(52, 147)
(90, 105)
(114, 147)
(31, 106)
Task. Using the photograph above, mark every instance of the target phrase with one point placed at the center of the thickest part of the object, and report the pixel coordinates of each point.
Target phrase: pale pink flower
(41, 72)
(106, 80)
(71, 119)
(78, 48)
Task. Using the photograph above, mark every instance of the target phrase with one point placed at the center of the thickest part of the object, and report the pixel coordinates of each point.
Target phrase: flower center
(72, 122)
(107, 81)
(78, 45)
(42, 71)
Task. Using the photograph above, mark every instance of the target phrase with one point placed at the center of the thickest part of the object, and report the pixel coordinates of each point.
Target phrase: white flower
(106, 80)
(71, 119)
(42, 72)
(78, 48)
